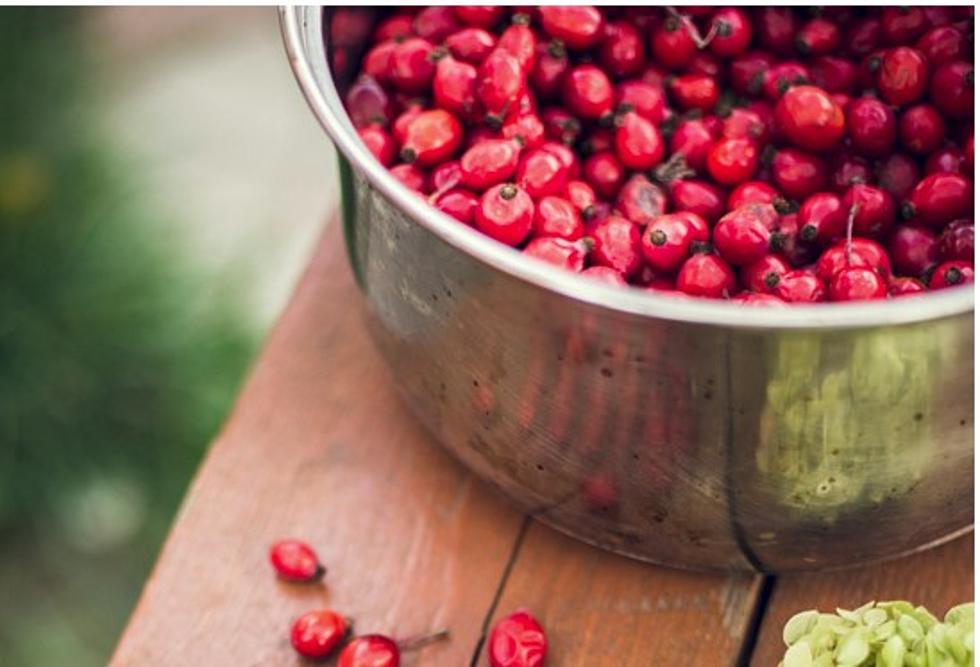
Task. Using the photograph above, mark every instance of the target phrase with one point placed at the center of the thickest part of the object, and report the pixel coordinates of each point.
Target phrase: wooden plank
(319, 447)
(938, 579)
(602, 609)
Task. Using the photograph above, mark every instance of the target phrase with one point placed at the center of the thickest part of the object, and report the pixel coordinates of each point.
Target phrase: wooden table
(319, 447)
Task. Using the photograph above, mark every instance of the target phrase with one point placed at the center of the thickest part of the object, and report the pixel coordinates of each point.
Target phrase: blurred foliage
(112, 376)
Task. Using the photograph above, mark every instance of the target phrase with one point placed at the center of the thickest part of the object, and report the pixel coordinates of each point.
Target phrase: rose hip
(874, 209)
(913, 249)
(808, 117)
(666, 242)
(459, 203)
(956, 241)
(578, 27)
(555, 216)
(295, 560)
(380, 143)
(797, 173)
(541, 173)
(316, 634)
(564, 254)
(733, 32)
(948, 159)
(706, 275)
(588, 92)
(471, 45)
(638, 142)
(951, 89)
(605, 274)
(506, 213)
(617, 245)
(898, 174)
(641, 201)
(905, 286)
(412, 66)
(822, 218)
(733, 161)
(488, 163)
(871, 126)
(745, 235)
(672, 43)
(857, 283)
(939, 199)
(921, 129)
(951, 274)
(604, 173)
(903, 76)
(764, 274)
(800, 286)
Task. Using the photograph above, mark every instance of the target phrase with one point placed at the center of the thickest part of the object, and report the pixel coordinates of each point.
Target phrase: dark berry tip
(657, 237)
(953, 276)
(772, 279)
(408, 155)
(808, 232)
(508, 191)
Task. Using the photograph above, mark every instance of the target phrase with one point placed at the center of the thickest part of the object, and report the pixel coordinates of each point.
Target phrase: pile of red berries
(517, 640)
(765, 155)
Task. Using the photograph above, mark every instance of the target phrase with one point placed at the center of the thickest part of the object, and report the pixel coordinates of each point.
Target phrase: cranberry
(745, 235)
(641, 201)
(939, 198)
(752, 192)
(541, 173)
(902, 25)
(500, 83)
(951, 89)
(433, 136)
(849, 170)
(903, 76)
(798, 174)
(588, 92)
(412, 66)
(943, 44)
(695, 91)
(706, 275)
(747, 71)
(733, 32)
(800, 286)
(701, 197)
(471, 45)
(578, 27)
(776, 29)
(921, 129)
(898, 174)
(764, 274)
(871, 126)
(733, 161)
(638, 142)
(564, 254)
(604, 173)
(874, 209)
(835, 75)
(622, 52)
(481, 17)
(913, 248)
(673, 44)
(380, 143)
(295, 560)
(555, 216)
(436, 23)
(905, 286)
(488, 163)
(857, 283)
(818, 37)
(956, 241)
(411, 177)
(810, 118)
(459, 203)
(550, 67)
(693, 139)
(316, 634)
(666, 242)
(822, 218)
(864, 36)
(645, 99)
(605, 274)
(617, 245)
(506, 213)
(454, 87)
(949, 159)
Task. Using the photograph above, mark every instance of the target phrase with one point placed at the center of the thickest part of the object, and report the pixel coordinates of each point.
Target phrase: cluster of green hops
(883, 634)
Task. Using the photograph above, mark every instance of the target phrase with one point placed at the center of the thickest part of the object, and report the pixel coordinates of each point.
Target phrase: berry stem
(418, 641)
(850, 231)
(699, 41)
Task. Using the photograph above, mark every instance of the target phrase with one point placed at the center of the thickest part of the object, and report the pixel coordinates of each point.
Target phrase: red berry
(810, 118)
(798, 174)
(471, 45)
(505, 213)
(905, 286)
(433, 136)
(316, 634)
(446, 175)
(482, 17)
(500, 84)
(412, 65)
(902, 25)
(393, 27)
(745, 124)
(550, 67)
(707, 64)
(701, 197)
(857, 283)
(672, 43)
(559, 252)
(607, 275)
(707, 276)
(913, 248)
(581, 195)
(752, 192)
(520, 41)
(764, 274)
(822, 218)
(604, 173)
(863, 252)
(800, 286)
(733, 32)
(638, 142)
(566, 156)
(850, 170)
(747, 71)
(617, 245)
(411, 177)
(951, 274)
(903, 76)
(459, 203)
(871, 126)
(948, 159)
(776, 29)
(641, 201)
(943, 44)
(951, 90)
(695, 91)
(540, 173)
(940, 198)
(561, 126)
(666, 242)
(733, 161)
(756, 299)
(488, 163)
(645, 99)
(956, 241)
(579, 27)
(898, 174)
(454, 87)
(693, 139)
(818, 37)
(555, 216)
(295, 560)
(780, 78)
(367, 102)
(921, 129)
(874, 209)
(370, 651)
(864, 36)
(380, 143)
(622, 51)
(436, 23)
(377, 62)
(834, 74)
(745, 235)
(588, 92)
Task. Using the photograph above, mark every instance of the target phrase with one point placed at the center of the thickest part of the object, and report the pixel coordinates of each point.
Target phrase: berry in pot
(488, 163)
(578, 27)
(454, 87)
(902, 25)
(810, 118)
(822, 218)
(459, 203)
(818, 37)
(564, 254)
(471, 45)
(666, 242)
(672, 43)
(693, 140)
(604, 173)
(746, 72)
(905, 286)
(898, 174)
(764, 274)
(871, 126)
(862, 252)
(903, 76)
(850, 170)
(588, 92)
(506, 213)
(800, 286)
(367, 103)
(500, 83)
(939, 199)
(733, 32)
(873, 209)
(857, 283)
(948, 159)
(411, 177)
(412, 65)
(519, 39)
(943, 44)
(541, 173)
(581, 195)
(921, 129)
(863, 36)
(566, 156)
(432, 137)
(752, 192)
(638, 143)
(550, 67)
(913, 249)
(776, 29)
(701, 197)
(482, 17)
(746, 235)
(783, 76)
(707, 275)
(951, 89)
(556, 216)
(835, 75)
(951, 274)
(646, 99)
(695, 92)
(622, 52)
(617, 245)
(956, 241)
(380, 143)
(797, 173)
(757, 299)
(745, 124)
(733, 161)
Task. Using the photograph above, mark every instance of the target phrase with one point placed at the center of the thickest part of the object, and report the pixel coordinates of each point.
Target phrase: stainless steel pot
(691, 433)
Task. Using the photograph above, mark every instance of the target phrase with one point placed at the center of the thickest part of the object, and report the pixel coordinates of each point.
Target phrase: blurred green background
(161, 184)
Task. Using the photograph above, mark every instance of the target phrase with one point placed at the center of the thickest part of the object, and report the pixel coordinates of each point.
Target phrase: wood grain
(938, 579)
(600, 609)
(319, 447)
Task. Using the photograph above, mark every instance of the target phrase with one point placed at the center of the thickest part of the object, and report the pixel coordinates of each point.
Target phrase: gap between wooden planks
(319, 447)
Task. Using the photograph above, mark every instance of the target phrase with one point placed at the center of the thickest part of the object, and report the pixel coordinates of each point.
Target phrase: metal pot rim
(324, 100)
